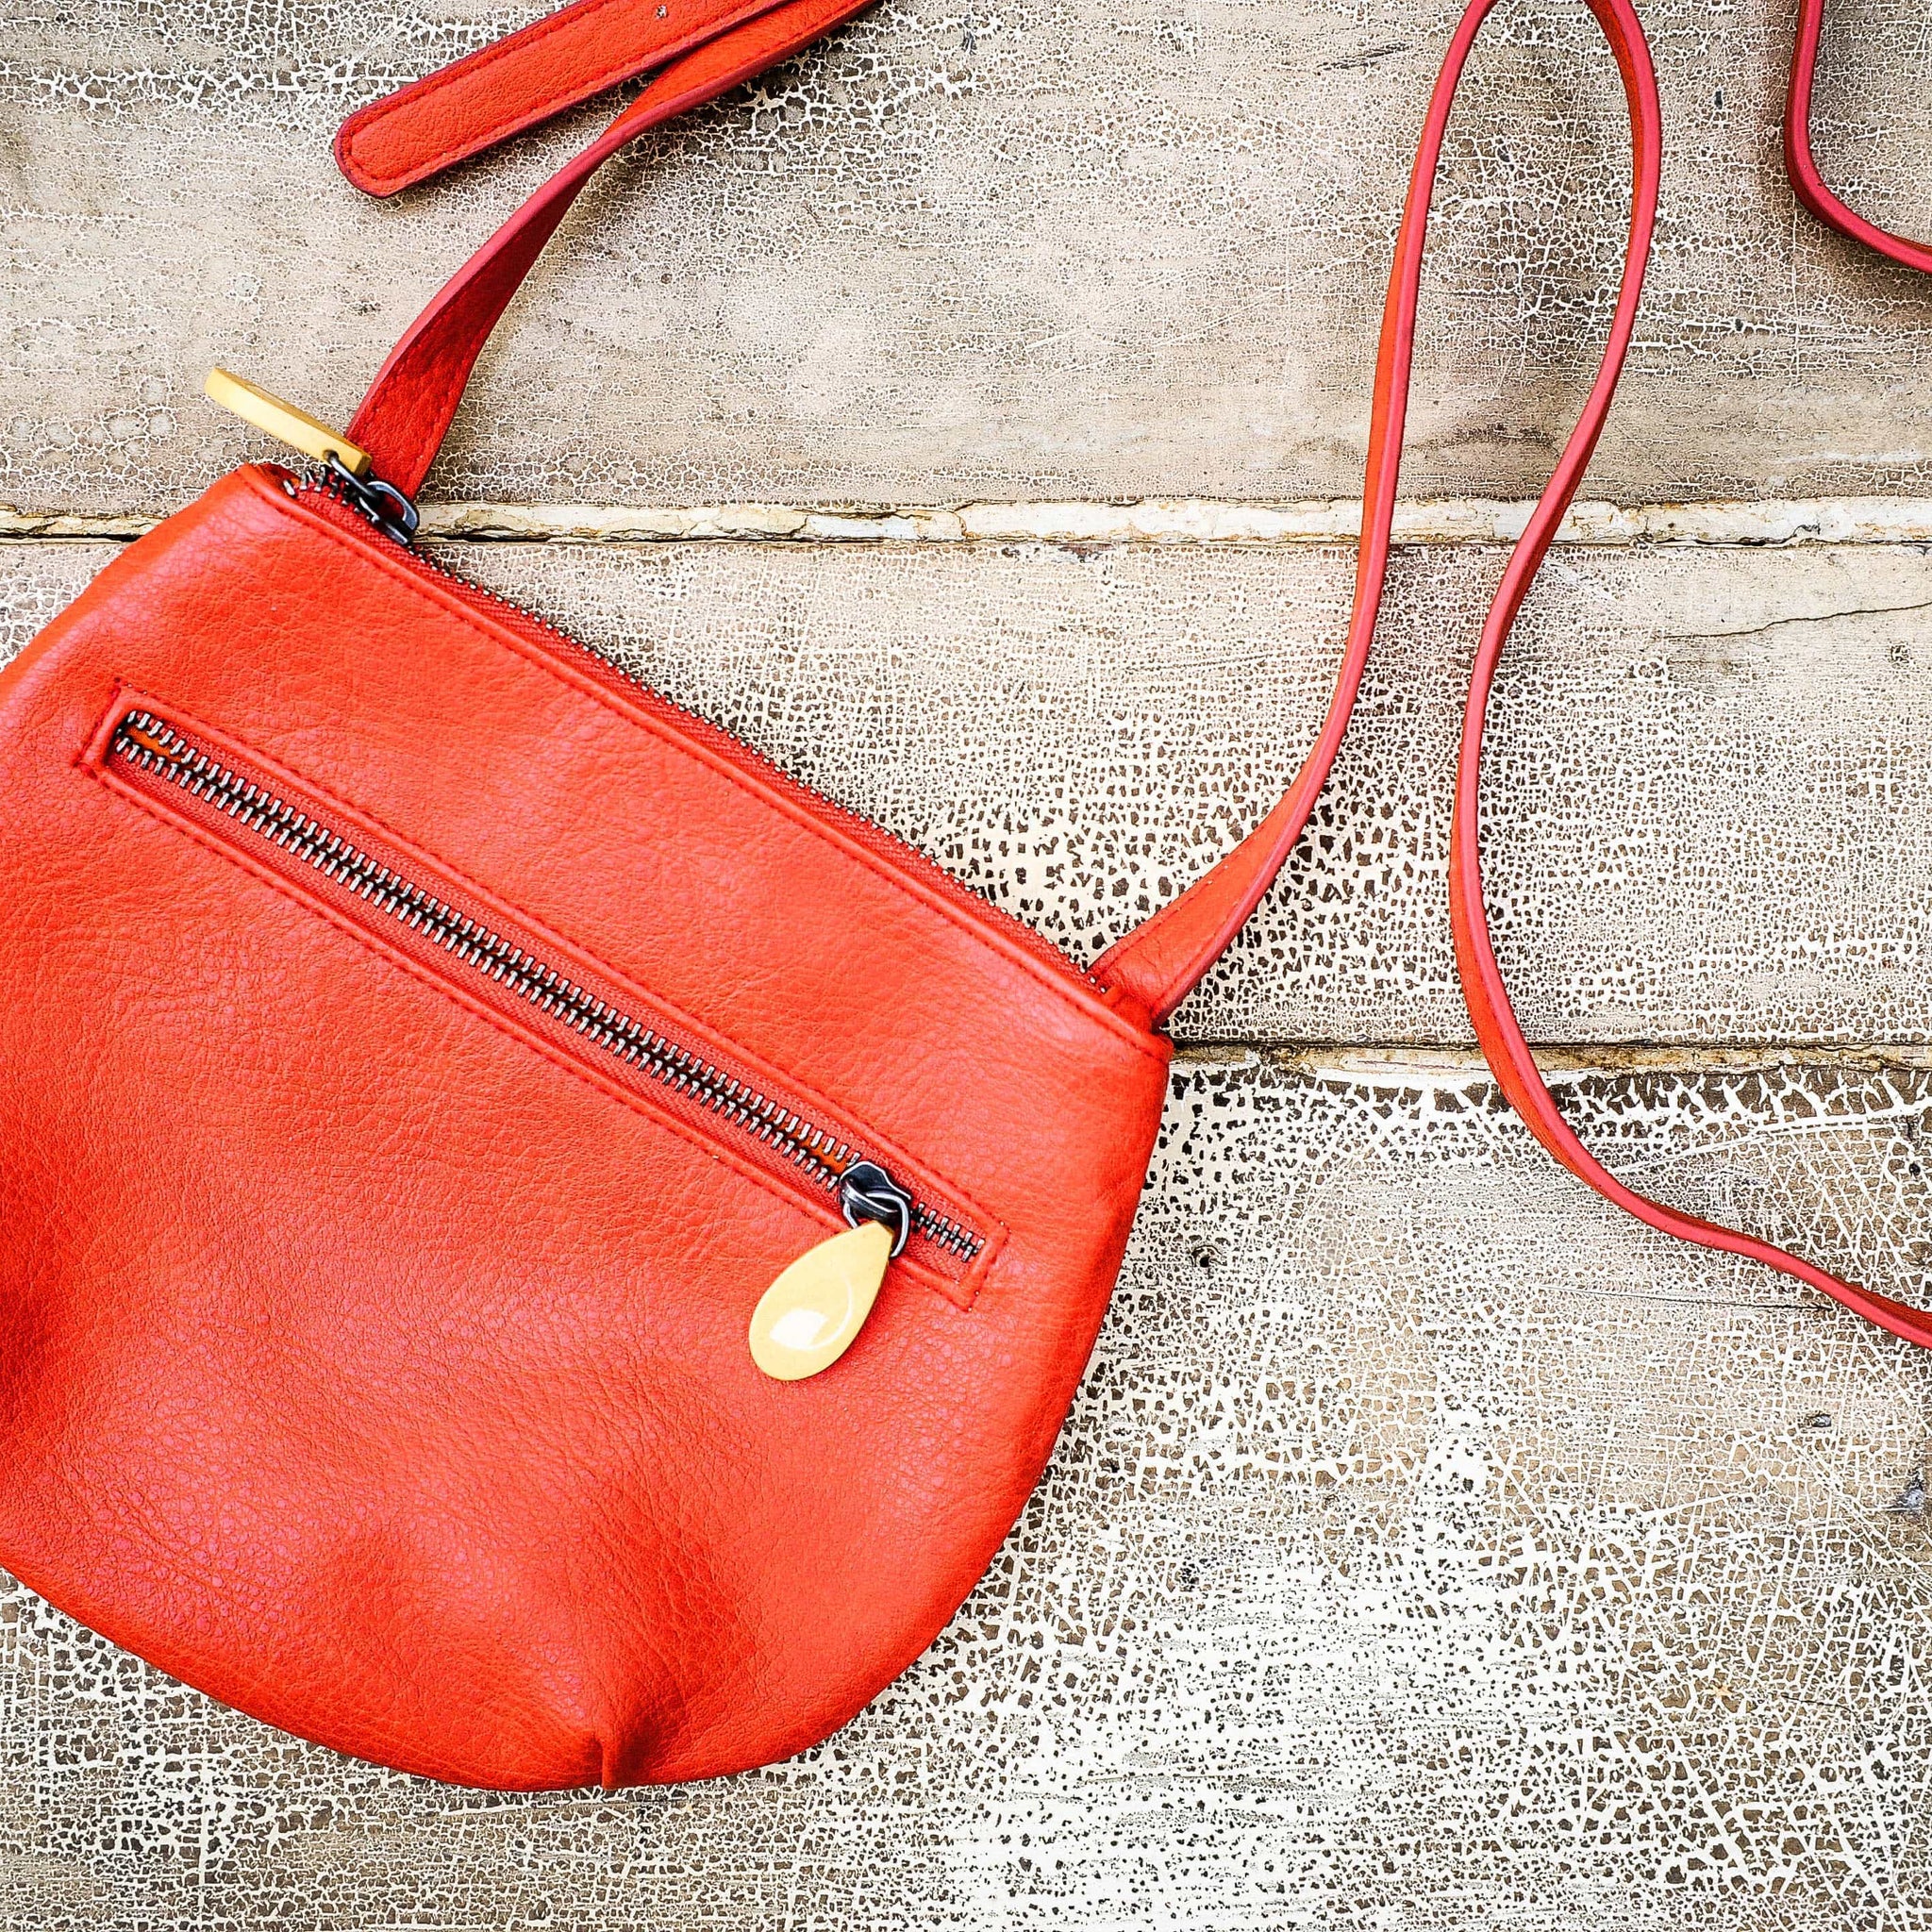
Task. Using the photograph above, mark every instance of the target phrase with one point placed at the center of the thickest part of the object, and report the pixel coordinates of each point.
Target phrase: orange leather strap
(521, 81)
(406, 413)
(1807, 184)
(1157, 964)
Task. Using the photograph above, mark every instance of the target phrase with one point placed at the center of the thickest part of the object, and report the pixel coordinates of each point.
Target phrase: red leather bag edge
(1153, 968)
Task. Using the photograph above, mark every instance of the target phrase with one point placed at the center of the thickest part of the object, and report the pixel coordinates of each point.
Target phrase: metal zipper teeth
(819, 1154)
(322, 483)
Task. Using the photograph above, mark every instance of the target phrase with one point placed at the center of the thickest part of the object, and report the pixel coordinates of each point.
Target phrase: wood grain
(1069, 250)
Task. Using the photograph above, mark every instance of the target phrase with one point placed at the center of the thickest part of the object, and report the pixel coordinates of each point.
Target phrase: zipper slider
(351, 470)
(813, 1312)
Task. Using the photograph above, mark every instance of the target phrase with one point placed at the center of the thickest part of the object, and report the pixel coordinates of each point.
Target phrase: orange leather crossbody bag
(538, 1250)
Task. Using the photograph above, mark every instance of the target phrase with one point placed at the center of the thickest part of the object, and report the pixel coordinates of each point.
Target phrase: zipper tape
(534, 983)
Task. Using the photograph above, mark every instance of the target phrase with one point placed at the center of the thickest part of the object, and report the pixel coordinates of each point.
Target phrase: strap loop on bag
(1807, 184)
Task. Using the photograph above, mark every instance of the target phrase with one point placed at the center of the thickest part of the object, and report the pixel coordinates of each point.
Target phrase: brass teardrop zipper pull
(813, 1312)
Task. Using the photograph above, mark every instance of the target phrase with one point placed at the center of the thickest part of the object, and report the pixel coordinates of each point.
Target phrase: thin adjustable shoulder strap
(1483, 991)
(1496, 1025)
(1157, 965)
(408, 409)
(1807, 184)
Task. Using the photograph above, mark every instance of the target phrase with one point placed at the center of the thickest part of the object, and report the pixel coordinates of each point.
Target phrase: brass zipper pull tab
(286, 422)
(351, 468)
(813, 1312)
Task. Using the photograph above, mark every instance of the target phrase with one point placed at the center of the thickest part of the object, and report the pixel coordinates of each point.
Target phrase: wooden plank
(1712, 802)
(1428, 1544)
(1066, 250)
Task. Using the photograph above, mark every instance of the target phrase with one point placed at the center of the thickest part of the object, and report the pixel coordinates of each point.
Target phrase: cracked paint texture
(1053, 249)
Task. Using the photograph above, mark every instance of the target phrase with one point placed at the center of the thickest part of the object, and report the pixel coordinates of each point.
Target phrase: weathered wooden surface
(1428, 1545)
(1069, 250)
(1711, 769)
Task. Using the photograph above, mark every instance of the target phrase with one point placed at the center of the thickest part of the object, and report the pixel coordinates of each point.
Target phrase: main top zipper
(332, 492)
(344, 486)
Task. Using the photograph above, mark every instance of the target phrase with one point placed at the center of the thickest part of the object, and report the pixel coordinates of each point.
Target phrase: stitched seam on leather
(1112, 1023)
(638, 1103)
(511, 45)
(92, 756)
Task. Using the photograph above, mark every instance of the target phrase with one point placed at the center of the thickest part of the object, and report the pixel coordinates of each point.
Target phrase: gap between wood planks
(1446, 1064)
(1833, 520)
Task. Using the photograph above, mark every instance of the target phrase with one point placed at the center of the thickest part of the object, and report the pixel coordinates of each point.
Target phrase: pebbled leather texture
(375, 1359)
(385, 1376)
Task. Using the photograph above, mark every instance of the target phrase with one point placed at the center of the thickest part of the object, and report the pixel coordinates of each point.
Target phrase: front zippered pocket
(489, 956)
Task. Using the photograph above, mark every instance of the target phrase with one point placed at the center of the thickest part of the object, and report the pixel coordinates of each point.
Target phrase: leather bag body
(422, 1047)
(373, 1350)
